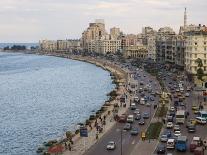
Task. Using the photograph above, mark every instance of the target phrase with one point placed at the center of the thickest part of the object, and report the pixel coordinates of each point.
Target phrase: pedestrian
(66, 146)
(69, 147)
(104, 117)
(96, 136)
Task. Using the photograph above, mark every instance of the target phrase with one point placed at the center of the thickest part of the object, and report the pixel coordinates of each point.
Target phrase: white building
(151, 47)
(195, 47)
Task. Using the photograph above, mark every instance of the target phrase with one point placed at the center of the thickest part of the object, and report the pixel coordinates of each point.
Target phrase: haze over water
(41, 97)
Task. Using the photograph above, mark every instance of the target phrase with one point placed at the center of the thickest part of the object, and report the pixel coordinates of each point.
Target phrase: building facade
(136, 52)
(195, 47)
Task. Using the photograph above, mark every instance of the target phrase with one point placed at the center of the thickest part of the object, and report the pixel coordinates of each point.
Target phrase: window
(204, 61)
(196, 43)
(204, 43)
(204, 55)
(204, 48)
(195, 55)
(195, 48)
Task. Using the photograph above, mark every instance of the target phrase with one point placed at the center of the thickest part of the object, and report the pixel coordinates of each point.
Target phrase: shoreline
(119, 78)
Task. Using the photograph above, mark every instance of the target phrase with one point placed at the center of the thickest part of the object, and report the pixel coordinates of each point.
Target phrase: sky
(34, 20)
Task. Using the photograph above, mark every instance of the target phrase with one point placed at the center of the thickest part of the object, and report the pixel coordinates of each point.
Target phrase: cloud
(60, 19)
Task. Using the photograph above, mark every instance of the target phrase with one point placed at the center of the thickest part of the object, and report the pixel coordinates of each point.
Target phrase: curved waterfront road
(128, 142)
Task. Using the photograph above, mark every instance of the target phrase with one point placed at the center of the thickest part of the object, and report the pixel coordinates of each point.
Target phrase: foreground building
(196, 47)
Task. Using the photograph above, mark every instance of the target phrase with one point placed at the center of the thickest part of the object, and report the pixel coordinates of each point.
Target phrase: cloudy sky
(32, 20)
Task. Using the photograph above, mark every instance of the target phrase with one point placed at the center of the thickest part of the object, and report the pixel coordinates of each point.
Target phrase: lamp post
(121, 141)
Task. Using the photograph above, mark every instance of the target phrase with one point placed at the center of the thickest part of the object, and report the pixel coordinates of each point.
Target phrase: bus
(180, 116)
(203, 114)
(181, 143)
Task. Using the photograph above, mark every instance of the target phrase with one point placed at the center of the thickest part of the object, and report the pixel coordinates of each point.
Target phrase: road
(128, 141)
(201, 130)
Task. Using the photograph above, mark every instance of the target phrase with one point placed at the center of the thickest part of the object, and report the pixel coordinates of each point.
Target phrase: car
(191, 128)
(163, 138)
(176, 127)
(153, 93)
(187, 94)
(200, 120)
(127, 126)
(172, 108)
(195, 107)
(161, 149)
(151, 98)
(177, 133)
(169, 118)
(145, 98)
(133, 106)
(111, 145)
(188, 89)
(138, 117)
(137, 111)
(146, 115)
(134, 131)
(130, 119)
(141, 121)
(169, 125)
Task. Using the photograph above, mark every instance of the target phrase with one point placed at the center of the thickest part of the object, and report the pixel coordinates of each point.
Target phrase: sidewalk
(81, 145)
(145, 147)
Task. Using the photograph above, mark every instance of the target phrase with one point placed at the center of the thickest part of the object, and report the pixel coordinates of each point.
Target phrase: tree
(200, 72)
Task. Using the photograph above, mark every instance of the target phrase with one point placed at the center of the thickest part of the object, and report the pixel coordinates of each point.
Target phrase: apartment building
(195, 47)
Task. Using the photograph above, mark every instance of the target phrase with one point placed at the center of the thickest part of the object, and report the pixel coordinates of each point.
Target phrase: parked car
(161, 149)
(111, 145)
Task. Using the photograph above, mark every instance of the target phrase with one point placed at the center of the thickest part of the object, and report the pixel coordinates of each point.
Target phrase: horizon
(68, 19)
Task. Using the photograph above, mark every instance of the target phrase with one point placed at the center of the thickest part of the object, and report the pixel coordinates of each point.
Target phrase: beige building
(94, 32)
(151, 47)
(136, 52)
(195, 47)
(115, 32)
(60, 45)
(48, 45)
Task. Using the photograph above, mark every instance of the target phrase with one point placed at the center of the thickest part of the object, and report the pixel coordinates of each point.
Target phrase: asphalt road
(128, 141)
(201, 130)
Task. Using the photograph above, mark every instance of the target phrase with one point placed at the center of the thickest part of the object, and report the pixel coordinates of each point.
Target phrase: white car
(137, 111)
(111, 145)
(142, 101)
(177, 133)
(172, 109)
(170, 125)
(187, 94)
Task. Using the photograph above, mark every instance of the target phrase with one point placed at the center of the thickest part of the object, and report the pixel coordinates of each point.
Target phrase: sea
(42, 97)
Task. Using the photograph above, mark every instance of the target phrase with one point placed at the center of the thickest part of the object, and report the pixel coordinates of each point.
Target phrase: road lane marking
(133, 142)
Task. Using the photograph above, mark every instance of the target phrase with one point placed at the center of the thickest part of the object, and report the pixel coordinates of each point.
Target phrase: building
(165, 45)
(48, 45)
(60, 45)
(195, 47)
(94, 32)
(136, 52)
(151, 47)
(115, 32)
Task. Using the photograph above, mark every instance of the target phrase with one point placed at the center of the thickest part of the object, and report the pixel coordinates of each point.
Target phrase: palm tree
(200, 72)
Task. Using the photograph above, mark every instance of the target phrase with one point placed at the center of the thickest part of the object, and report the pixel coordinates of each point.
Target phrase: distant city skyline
(33, 20)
